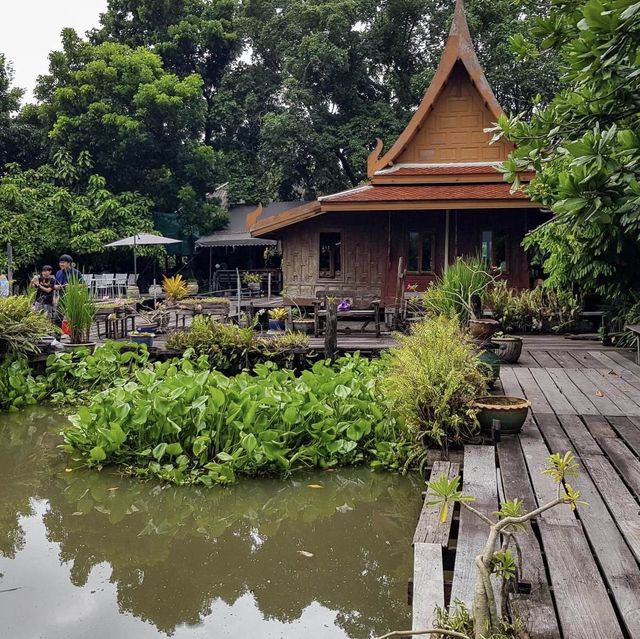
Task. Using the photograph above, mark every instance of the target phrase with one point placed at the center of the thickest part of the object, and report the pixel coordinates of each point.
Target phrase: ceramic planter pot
(276, 325)
(142, 339)
(147, 328)
(490, 363)
(483, 329)
(303, 325)
(192, 288)
(511, 412)
(509, 349)
(253, 286)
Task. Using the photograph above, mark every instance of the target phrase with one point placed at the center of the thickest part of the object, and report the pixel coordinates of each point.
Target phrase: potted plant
(79, 310)
(192, 287)
(140, 337)
(300, 323)
(277, 318)
(175, 288)
(252, 281)
(509, 348)
(511, 412)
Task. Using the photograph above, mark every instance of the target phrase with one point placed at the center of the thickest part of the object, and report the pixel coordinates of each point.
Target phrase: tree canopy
(585, 145)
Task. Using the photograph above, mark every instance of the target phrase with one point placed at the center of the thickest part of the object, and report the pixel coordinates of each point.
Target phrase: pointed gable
(448, 126)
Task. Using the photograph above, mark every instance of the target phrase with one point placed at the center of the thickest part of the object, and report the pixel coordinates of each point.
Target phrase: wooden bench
(363, 309)
(635, 331)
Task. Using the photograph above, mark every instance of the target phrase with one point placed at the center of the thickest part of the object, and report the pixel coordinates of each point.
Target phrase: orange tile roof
(425, 192)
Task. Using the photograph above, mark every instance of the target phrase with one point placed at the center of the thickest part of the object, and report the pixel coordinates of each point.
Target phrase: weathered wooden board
(628, 431)
(532, 391)
(595, 395)
(535, 453)
(581, 403)
(564, 359)
(544, 359)
(479, 480)
(585, 359)
(510, 385)
(428, 584)
(604, 382)
(581, 439)
(612, 365)
(430, 529)
(526, 359)
(559, 403)
(623, 361)
(583, 605)
(625, 462)
(536, 612)
(599, 427)
(624, 509)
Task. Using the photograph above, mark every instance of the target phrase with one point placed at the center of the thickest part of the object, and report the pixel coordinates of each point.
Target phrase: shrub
(20, 326)
(185, 423)
(175, 288)
(539, 310)
(456, 291)
(431, 380)
(18, 388)
(79, 309)
(231, 349)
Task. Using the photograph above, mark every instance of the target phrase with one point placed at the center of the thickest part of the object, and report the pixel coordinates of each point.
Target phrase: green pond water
(94, 555)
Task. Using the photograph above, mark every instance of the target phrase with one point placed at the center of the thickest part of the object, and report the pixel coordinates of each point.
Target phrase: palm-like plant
(79, 309)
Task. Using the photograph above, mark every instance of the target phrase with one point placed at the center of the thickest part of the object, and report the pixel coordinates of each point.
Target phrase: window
(330, 255)
(420, 253)
(494, 251)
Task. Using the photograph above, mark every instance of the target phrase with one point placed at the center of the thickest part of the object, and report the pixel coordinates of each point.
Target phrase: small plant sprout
(497, 558)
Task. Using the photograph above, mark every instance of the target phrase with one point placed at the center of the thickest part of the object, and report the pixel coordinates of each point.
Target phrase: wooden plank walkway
(581, 572)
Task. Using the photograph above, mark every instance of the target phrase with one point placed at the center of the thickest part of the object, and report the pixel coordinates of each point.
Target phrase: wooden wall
(374, 241)
(454, 130)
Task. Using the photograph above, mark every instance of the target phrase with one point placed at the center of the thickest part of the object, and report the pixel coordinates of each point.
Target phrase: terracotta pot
(509, 349)
(483, 329)
(511, 412)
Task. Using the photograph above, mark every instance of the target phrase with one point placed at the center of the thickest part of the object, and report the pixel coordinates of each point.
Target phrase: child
(45, 284)
(4, 285)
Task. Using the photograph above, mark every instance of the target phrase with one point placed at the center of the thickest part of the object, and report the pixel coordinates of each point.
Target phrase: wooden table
(635, 331)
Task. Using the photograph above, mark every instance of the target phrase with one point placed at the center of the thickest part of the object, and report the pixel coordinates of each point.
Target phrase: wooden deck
(581, 574)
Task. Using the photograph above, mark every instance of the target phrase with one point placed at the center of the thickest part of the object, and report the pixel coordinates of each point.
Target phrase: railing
(230, 281)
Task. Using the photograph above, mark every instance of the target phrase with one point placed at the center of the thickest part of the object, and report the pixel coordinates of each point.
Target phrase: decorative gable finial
(460, 29)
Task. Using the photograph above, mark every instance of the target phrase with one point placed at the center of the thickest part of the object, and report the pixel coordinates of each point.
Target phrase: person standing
(45, 285)
(67, 273)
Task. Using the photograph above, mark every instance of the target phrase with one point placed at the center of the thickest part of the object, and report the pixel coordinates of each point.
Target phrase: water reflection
(185, 560)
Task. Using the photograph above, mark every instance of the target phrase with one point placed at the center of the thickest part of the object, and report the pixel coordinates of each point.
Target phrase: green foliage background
(164, 101)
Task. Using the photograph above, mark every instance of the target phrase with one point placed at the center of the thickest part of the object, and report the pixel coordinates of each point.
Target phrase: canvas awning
(232, 239)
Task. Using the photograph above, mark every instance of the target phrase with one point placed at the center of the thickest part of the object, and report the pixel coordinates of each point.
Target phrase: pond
(95, 554)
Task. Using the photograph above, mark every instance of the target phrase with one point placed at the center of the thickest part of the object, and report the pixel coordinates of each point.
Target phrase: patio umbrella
(142, 239)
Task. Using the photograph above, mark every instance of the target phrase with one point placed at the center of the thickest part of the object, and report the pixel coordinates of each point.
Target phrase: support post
(447, 223)
(269, 286)
(399, 294)
(331, 328)
(239, 285)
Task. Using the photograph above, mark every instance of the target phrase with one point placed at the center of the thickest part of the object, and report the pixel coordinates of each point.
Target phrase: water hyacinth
(184, 422)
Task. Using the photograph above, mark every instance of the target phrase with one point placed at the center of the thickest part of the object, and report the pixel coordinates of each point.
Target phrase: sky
(30, 29)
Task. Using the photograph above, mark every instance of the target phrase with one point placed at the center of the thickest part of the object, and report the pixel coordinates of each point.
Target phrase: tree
(585, 146)
(63, 207)
(141, 125)
(9, 105)
(344, 72)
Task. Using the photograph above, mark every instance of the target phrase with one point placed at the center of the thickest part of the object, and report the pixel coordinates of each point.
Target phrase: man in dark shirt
(67, 273)
(45, 285)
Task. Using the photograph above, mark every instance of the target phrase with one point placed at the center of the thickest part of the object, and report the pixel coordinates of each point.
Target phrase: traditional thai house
(434, 195)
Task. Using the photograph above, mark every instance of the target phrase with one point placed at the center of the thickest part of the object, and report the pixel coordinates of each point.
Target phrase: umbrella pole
(135, 261)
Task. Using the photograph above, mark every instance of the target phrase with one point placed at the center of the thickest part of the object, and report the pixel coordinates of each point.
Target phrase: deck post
(331, 329)
(269, 286)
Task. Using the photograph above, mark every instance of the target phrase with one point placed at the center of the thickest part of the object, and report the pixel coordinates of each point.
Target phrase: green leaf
(97, 454)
